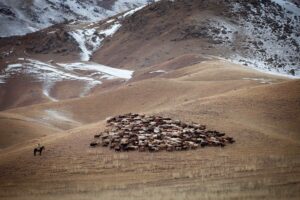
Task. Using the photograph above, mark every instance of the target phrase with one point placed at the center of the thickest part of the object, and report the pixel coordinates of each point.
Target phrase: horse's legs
(41, 152)
(34, 152)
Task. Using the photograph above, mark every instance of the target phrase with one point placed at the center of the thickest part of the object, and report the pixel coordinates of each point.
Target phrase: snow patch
(131, 12)
(54, 115)
(158, 71)
(110, 21)
(91, 74)
(111, 30)
(266, 48)
(89, 40)
(98, 69)
(47, 85)
(2, 79)
(86, 38)
(12, 67)
(260, 80)
(260, 66)
(289, 6)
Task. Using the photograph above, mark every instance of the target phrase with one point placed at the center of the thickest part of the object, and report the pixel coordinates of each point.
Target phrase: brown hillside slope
(262, 164)
(149, 37)
(16, 129)
(166, 91)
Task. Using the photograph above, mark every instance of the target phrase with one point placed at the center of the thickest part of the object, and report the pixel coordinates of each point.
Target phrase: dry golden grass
(264, 163)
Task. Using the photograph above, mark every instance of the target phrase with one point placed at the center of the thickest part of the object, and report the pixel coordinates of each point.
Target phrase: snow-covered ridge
(22, 17)
(91, 74)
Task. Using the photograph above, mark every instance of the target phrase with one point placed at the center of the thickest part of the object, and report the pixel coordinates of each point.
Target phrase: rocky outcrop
(132, 132)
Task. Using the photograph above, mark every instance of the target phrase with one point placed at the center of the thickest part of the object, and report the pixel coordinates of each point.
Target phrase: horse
(38, 149)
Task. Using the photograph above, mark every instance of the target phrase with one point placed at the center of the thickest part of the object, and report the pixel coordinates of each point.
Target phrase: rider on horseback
(39, 149)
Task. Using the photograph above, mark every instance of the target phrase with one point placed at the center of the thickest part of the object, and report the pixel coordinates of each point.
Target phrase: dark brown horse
(38, 149)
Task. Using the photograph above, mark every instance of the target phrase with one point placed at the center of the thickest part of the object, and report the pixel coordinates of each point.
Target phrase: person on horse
(39, 149)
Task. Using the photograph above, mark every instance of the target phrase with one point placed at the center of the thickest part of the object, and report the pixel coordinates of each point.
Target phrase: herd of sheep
(131, 132)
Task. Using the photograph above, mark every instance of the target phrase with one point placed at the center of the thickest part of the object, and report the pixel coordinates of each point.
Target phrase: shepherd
(39, 149)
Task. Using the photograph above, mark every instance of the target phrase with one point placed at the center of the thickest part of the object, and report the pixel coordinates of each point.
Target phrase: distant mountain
(25, 16)
(264, 34)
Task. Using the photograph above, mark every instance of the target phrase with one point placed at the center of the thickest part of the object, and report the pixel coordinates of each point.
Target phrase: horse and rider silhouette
(38, 149)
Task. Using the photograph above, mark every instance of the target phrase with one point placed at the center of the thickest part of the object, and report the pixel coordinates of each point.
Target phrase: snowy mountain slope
(21, 17)
(262, 34)
(273, 31)
(90, 36)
